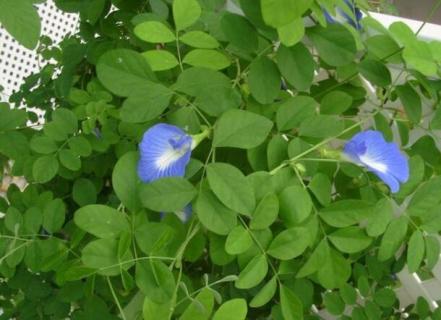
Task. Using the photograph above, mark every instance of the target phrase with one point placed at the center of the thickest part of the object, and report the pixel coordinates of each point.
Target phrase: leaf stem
(121, 311)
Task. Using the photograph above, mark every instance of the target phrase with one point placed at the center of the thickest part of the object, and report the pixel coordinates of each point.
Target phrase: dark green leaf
(264, 80)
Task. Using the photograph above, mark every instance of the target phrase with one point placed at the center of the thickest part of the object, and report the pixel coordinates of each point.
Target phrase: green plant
(279, 221)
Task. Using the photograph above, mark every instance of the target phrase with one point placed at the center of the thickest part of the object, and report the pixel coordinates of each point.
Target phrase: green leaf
(375, 72)
(335, 44)
(84, 192)
(66, 119)
(411, 102)
(80, 146)
(155, 32)
(185, 13)
(124, 72)
(13, 220)
(264, 80)
(241, 129)
(432, 250)
(11, 118)
(289, 244)
(277, 13)
(295, 205)
(333, 303)
(253, 273)
(33, 219)
(160, 60)
(392, 238)
(321, 187)
(101, 221)
(125, 181)
(199, 39)
(146, 105)
(152, 237)
(348, 294)
(292, 308)
(321, 126)
(291, 33)
(294, 111)
(350, 240)
(102, 254)
(213, 214)
(265, 294)
(20, 18)
(207, 58)
(43, 145)
(239, 32)
(235, 309)
(212, 89)
(415, 251)
(296, 65)
(426, 197)
(45, 168)
(335, 102)
(266, 212)
(238, 241)
(344, 213)
(69, 160)
(155, 280)
(315, 260)
(333, 263)
(379, 218)
(201, 307)
(385, 297)
(230, 186)
(418, 56)
(167, 194)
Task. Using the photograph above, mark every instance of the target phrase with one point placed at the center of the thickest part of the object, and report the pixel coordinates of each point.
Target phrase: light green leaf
(335, 102)
(230, 186)
(199, 39)
(238, 241)
(379, 218)
(277, 13)
(160, 60)
(333, 303)
(125, 181)
(101, 221)
(294, 111)
(296, 65)
(432, 250)
(411, 102)
(201, 307)
(241, 129)
(124, 72)
(253, 273)
(20, 18)
(45, 168)
(321, 187)
(418, 56)
(335, 44)
(154, 31)
(155, 280)
(291, 33)
(265, 294)
(213, 214)
(207, 58)
(295, 205)
(266, 212)
(344, 213)
(292, 308)
(264, 80)
(152, 237)
(392, 238)
(289, 244)
(235, 309)
(350, 240)
(415, 251)
(185, 13)
(167, 194)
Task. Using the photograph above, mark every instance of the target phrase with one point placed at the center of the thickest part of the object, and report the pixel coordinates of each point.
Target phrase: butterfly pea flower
(165, 151)
(343, 17)
(384, 159)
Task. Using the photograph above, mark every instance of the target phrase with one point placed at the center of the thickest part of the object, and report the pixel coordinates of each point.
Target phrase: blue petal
(369, 148)
(165, 151)
(342, 17)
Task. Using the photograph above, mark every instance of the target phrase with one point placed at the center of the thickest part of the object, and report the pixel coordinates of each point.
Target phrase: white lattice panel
(17, 62)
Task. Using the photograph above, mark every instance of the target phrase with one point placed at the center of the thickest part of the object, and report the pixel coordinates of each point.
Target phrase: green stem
(178, 49)
(121, 311)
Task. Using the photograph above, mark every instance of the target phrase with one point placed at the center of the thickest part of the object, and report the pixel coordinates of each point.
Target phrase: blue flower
(165, 152)
(342, 17)
(383, 158)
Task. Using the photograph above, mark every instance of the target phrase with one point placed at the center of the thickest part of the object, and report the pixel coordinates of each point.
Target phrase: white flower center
(381, 167)
(169, 157)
